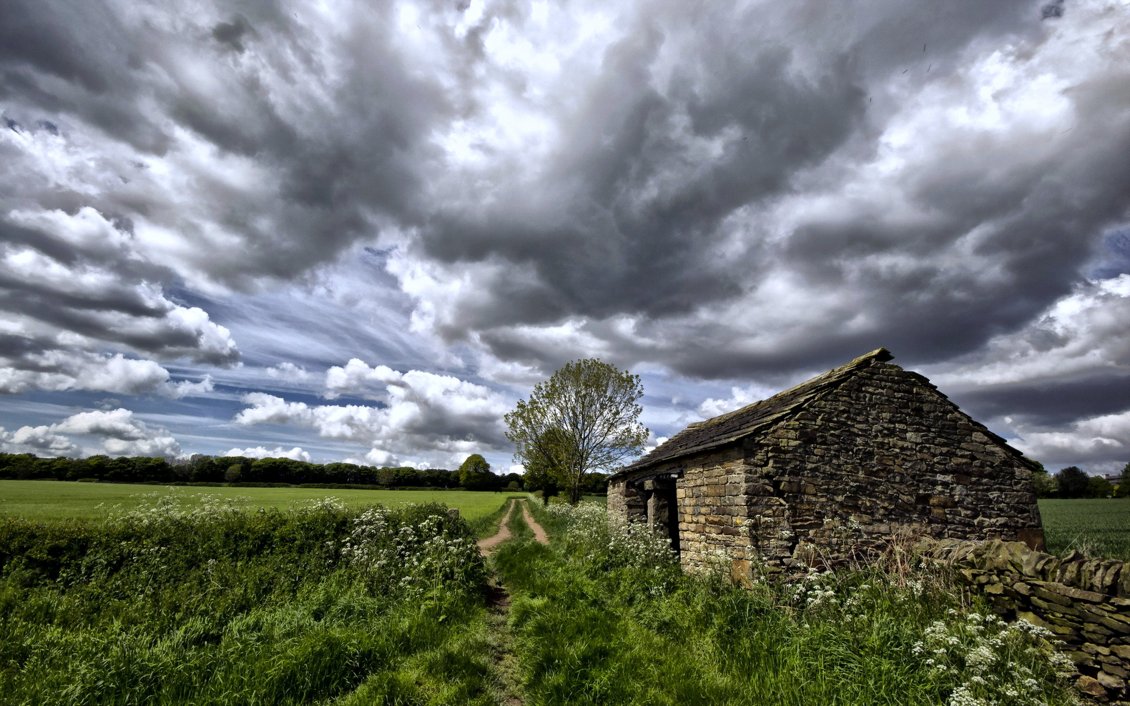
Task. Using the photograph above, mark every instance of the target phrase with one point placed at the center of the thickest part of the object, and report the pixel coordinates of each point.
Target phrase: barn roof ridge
(732, 426)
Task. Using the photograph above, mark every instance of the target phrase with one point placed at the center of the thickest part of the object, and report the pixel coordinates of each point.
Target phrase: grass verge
(602, 615)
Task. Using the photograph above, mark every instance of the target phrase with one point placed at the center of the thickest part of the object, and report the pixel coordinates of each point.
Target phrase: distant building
(828, 472)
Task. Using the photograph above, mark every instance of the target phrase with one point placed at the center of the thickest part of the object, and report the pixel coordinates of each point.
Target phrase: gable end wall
(881, 455)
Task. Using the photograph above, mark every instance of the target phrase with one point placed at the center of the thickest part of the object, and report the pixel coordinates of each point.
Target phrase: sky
(363, 230)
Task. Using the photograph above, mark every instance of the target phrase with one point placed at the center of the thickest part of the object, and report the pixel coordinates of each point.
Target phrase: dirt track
(539, 533)
(504, 533)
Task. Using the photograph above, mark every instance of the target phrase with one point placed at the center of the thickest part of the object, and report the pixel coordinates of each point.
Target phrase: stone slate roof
(736, 425)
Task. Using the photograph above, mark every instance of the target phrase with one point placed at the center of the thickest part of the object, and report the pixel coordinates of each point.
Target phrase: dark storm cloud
(644, 183)
(353, 153)
(590, 228)
(722, 192)
(232, 33)
(1002, 224)
(1051, 404)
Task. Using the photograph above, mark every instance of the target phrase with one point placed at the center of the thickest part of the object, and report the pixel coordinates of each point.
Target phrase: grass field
(1098, 527)
(50, 500)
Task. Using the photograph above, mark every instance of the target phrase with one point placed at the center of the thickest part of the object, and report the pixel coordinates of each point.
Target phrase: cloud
(116, 432)
(288, 372)
(418, 414)
(1071, 360)
(1102, 443)
(739, 397)
(295, 454)
(39, 440)
(77, 297)
(782, 208)
(730, 192)
(59, 371)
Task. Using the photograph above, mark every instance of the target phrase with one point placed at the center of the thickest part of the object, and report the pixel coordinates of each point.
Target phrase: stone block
(1110, 681)
(1095, 633)
(1112, 667)
(1078, 593)
(1052, 594)
(1090, 686)
(1117, 624)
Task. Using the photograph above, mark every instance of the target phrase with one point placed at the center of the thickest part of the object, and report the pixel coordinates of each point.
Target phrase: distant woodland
(212, 470)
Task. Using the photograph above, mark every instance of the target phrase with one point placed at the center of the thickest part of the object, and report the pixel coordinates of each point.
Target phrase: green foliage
(475, 474)
(1122, 490)
(1045, 485)
(218, 469)
(1095, 527)
(1072, 482)
(585, 418)
(603, 615)
(212, 604)
(1099, 487)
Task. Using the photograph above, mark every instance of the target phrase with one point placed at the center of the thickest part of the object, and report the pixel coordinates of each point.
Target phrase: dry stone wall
(1085, 602)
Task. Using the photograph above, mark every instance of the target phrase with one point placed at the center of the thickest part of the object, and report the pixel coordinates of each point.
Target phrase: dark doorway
(663, 508)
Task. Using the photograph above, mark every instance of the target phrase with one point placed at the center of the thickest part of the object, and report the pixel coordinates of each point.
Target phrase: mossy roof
(751, 419)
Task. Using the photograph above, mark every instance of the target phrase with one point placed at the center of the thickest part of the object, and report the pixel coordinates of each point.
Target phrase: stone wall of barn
(1085, 602)
(880, 455)
(712, 500)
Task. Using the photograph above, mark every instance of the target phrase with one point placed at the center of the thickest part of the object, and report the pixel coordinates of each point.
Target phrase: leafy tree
(1123, 488)
(585, 418)
(474, 473)
(1098, 487)
(541, 473)
(1045, 485)
(1072, 482)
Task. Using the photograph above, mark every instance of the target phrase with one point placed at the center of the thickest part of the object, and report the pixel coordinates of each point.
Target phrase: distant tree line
(262, 471)
(1074, 482)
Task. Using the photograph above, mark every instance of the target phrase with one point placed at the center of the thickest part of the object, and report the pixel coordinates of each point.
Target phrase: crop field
(1098, 527)
(54, 500)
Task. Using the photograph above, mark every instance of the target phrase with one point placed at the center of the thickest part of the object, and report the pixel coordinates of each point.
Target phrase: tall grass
(210, 604)
(604, 615)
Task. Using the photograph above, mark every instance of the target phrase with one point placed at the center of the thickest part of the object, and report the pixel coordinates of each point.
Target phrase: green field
(49, 500)
(1098, 527)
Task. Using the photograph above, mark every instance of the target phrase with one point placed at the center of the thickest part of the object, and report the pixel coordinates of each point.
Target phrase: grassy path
(507, 682)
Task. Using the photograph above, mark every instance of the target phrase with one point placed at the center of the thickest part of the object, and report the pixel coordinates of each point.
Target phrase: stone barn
(829, 472)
